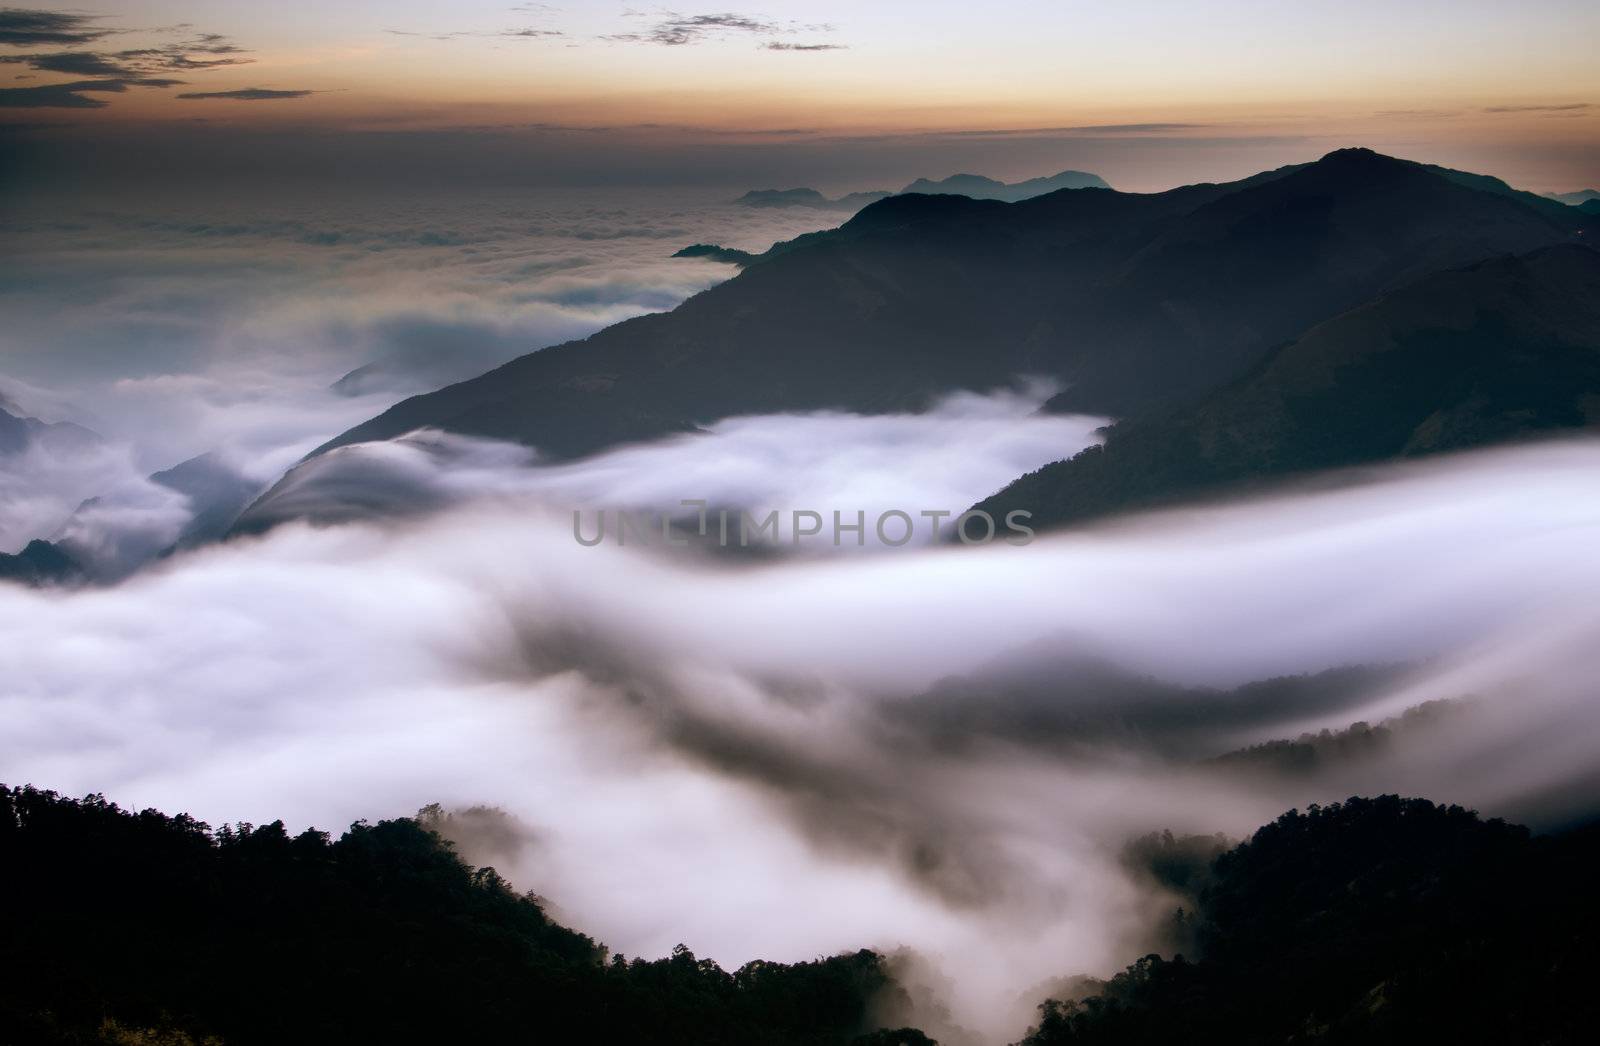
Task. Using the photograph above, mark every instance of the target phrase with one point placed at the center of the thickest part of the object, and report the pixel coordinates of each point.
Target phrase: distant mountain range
(978, 187)
(40, 562)
(1355, 309)
(809, 198)
(19, 434)
(975, 186)
(216, 494)
(1134, 302)
(1575, 199)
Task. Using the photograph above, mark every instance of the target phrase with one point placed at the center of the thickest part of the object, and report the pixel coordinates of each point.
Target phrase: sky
(844, 96)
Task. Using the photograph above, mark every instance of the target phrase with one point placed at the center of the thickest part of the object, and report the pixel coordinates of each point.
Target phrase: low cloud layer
(943, 461)
(259, 328)
(752, 757)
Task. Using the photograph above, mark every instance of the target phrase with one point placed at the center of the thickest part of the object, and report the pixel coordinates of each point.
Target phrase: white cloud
(706, 750)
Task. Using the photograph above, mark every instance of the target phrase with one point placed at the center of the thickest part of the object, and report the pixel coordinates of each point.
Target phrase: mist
(254, 326)
(964, 447)
(182, 322)
(752, 757)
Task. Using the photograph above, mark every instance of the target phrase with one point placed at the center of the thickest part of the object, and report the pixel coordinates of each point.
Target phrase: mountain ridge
(975, 186)
(1132, 300)
(1504, 349)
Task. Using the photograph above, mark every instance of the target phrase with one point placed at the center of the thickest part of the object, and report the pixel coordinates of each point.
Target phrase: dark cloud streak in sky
(1569, 107)
(1105, 128)
(21, 27)
(515, 34)
(677, 30)
(247, 94)
(111, 72)
(72, 95)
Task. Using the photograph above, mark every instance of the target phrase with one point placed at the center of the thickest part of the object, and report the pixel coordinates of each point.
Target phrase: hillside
(141, 928)
(1133, 300)
(40, 563)
(1373, 922)
(1502, 350)
(1368, 921)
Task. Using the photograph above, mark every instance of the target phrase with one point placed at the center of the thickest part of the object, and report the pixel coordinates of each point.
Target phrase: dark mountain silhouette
(978, 187)
(1132, 299)
(216, 493)
(1311, 752)
(974, 186)
(1590, 207)
(1374, 922)
(1502, 350)
(40, 563)
(140, 928)
(1081, 705)
(1489, 183)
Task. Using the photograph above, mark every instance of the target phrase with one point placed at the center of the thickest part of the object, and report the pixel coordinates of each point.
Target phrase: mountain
(1590, 207)
(1377, 922)
(978, 187)
(18, 434)
(136, 928)
(809, 198)
(40, 563)
(83, 550)
(1489, 183)
(1575, 199)
(1074, 703)
(1505, 349)
(1310, 752)
(217, 494)
(1381, 921)
(974, 186)
(715, 253)
(1131, 300)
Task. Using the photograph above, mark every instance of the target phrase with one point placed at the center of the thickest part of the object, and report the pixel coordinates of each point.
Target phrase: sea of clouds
(938, 748)
(256, 328)
(791, 756)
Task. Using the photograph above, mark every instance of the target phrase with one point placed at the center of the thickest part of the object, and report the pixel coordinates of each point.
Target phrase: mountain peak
(1356, 154)
(1361, 160)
